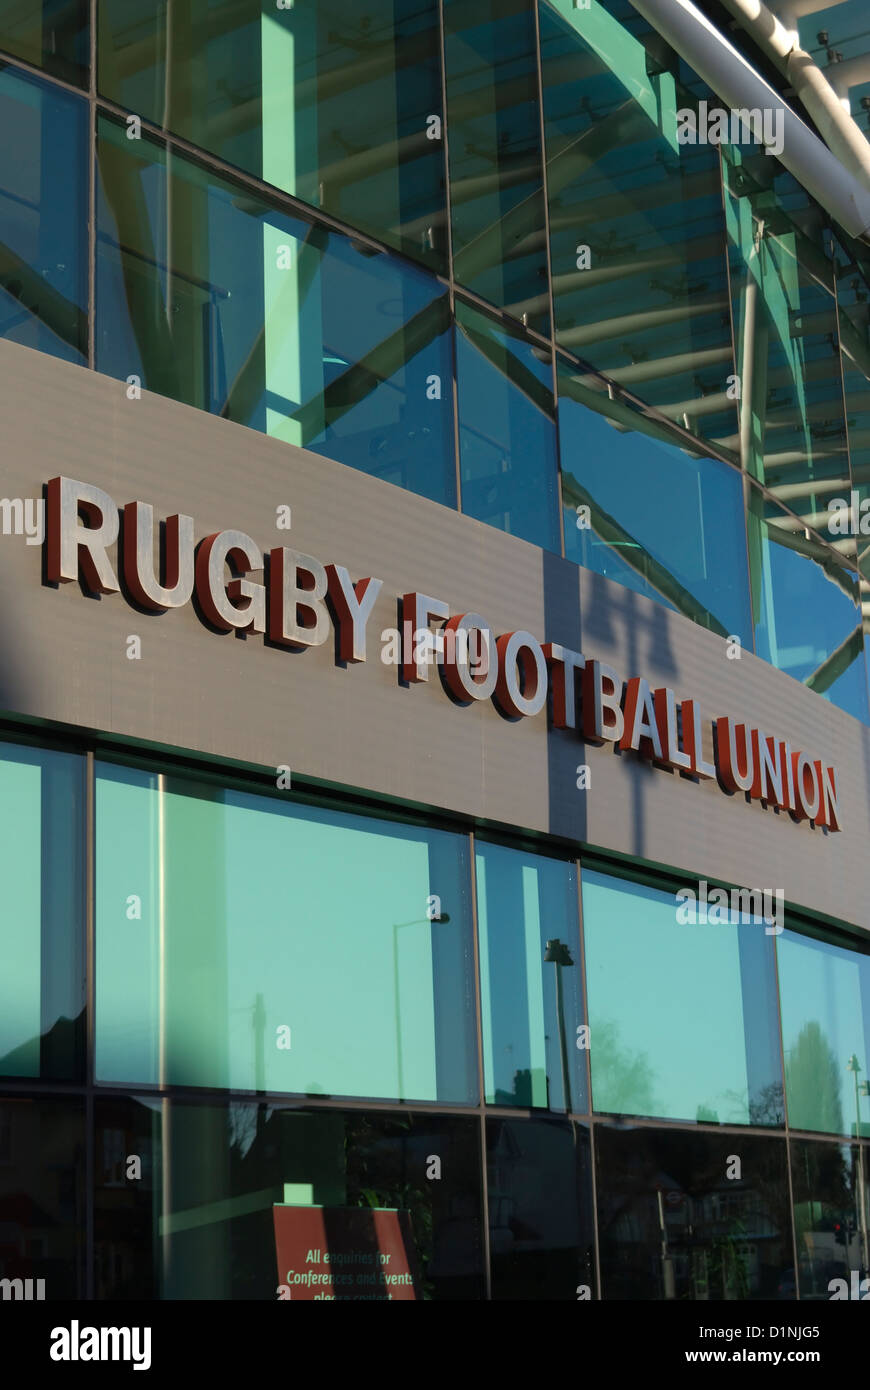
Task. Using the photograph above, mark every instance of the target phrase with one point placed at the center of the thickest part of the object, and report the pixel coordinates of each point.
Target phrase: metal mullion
(92, 186)
(546, 199)
(451, 284)
(797, 1283)
(588, 1050)
(481, 1078)
(90, 1137)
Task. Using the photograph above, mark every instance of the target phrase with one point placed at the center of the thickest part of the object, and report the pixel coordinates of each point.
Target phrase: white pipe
(843, 137)
(719, 64)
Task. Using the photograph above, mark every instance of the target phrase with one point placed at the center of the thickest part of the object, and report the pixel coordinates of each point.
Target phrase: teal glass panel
(637, 235)
(805, 607)
(640, 510)
(49, 34)
(200, 1224)
(793, 435)
(530, 984)
(682, 1017)
(849, 522)
(213, 297)
(279, 947)
(825, 1004)
(42, 923)
(339, 107)
(507, 433)
(496, 176)
(43, 217)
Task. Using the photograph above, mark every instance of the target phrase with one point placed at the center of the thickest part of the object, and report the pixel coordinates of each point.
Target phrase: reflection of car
(787, 1287)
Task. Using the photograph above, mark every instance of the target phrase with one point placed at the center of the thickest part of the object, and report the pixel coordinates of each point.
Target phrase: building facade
(434, 763)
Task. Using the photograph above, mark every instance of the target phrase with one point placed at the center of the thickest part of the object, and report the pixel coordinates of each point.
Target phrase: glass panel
(507, 437)
(269, 321)
(793, 430)
(849, 524)
(830, 1220)
(677, 1219)
(50, 34)
(339, 107)
(825, 1004)
(530, 980)
(42, 1196)
(43, 217)
(637, 239)
(246, 943)
(496, 181)
(237, 1198)
(42, 923)
(540, 1210)
(640, 510)
(682, 1018)
(805, 602)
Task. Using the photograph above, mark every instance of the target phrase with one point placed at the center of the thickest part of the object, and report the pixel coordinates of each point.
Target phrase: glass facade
(460, 246)
(551, 1073)
(455, 245)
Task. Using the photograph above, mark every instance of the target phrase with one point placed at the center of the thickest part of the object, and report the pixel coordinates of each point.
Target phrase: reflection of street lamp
(417, 922)
(854, 1067)
(557, 954)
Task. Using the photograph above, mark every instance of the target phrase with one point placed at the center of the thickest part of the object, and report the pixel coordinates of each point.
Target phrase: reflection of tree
(766, 1107)
(377, 1177)
(728, 1261)
(813, 1082)
(622, 1081)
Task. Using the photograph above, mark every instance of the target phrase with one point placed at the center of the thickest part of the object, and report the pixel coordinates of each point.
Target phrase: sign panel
(355, 1253)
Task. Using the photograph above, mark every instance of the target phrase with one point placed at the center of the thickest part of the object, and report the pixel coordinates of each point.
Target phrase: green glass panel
(530, 980)
(496, 176)
(278, 948)
(640, 510)
(214, 297)
(805, 606)
(793, 430)
(507, 432)
(637, 235)
(49, 34)
(825, 1003)
(338, 106)
(682, 1017)
(41, 926)
(830, 1215)
(200, 1222)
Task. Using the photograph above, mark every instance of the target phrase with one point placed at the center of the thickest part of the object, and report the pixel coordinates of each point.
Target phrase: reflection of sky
(687, 514)
(308, 904)
(674, 995)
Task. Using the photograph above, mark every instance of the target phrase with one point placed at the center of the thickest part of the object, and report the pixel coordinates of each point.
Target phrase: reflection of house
(712, 1242)
(533, 1202)
(40, 1194)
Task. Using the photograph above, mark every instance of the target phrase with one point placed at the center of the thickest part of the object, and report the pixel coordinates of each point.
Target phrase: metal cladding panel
(63, 654)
